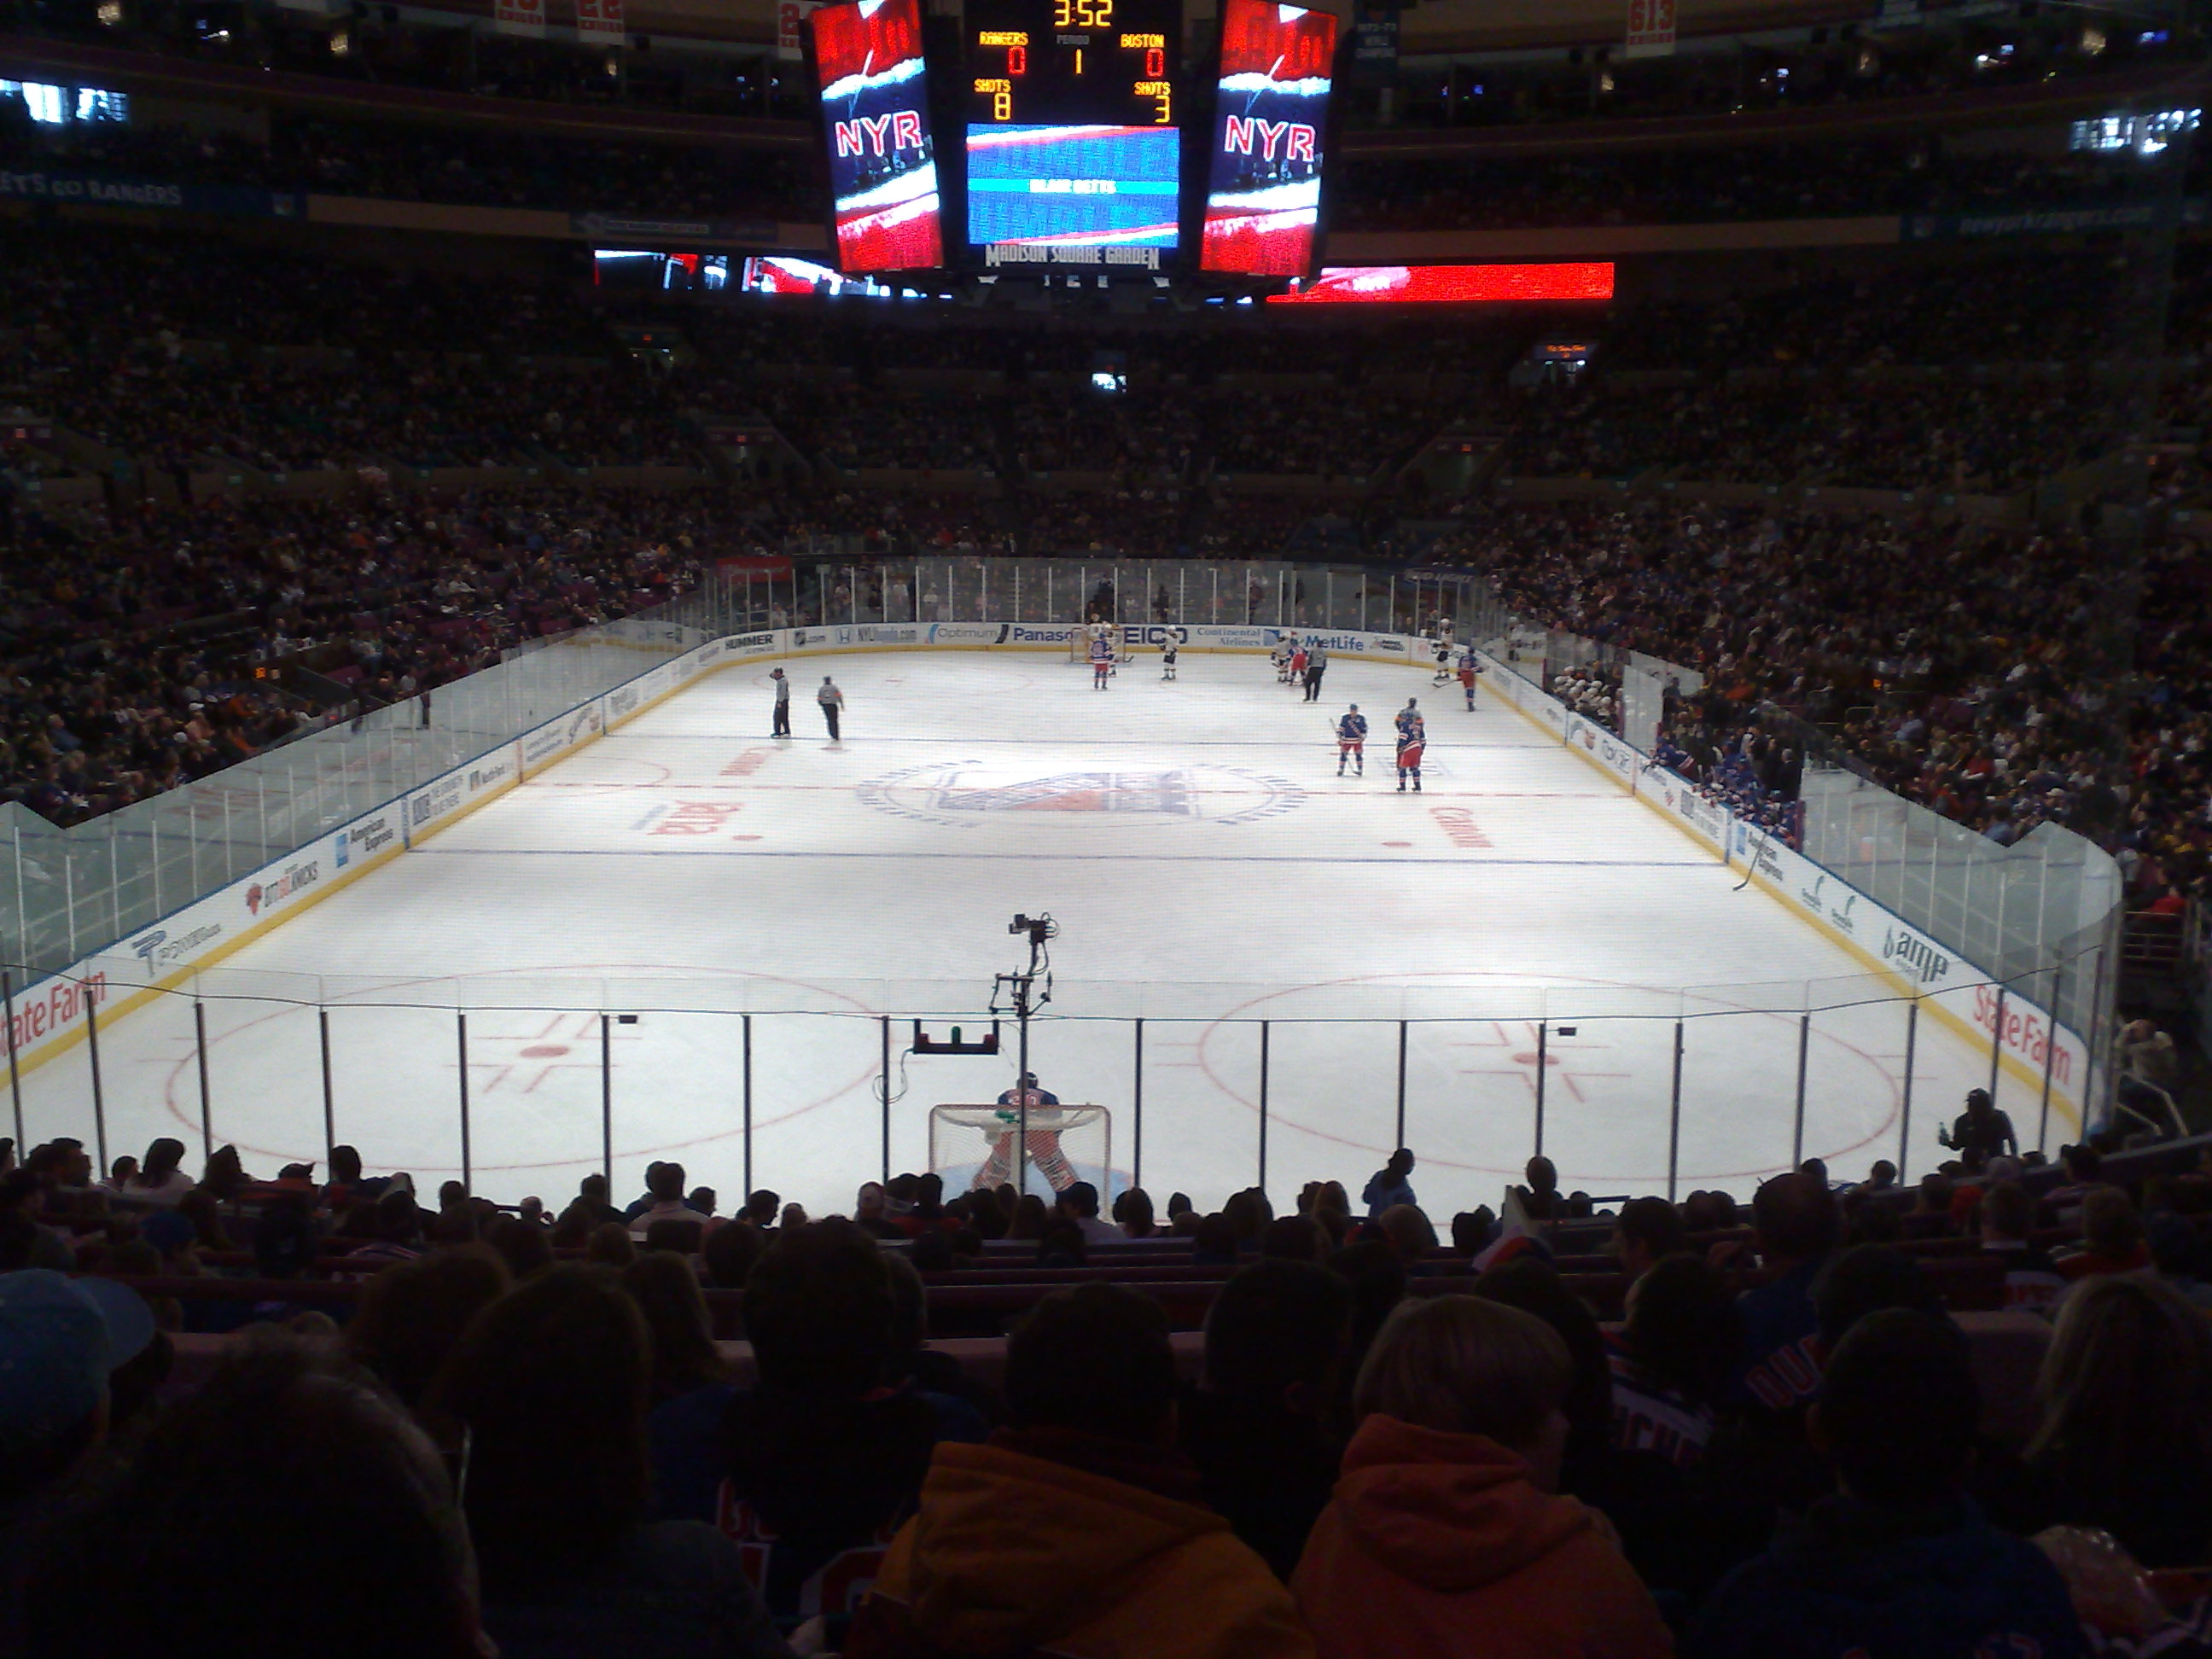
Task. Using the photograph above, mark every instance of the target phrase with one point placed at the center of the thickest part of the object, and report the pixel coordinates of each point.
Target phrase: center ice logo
(966, 794)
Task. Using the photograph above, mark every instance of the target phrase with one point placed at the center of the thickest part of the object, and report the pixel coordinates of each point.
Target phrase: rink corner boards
(2064, 1099)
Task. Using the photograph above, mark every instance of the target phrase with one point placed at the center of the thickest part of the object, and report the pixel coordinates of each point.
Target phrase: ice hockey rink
(1209, 871)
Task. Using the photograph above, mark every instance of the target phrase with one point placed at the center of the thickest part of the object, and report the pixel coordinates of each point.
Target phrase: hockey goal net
(1078, 644)
(974, 1146)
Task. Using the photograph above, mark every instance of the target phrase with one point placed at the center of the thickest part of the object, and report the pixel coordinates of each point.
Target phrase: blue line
(1052, 858)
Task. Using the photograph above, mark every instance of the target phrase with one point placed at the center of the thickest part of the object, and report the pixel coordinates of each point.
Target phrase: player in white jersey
(1283, 660)
(1101, 660)
(1168, 648)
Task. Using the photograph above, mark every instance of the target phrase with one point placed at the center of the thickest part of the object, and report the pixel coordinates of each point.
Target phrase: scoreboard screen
(1072, 107)
(875, 113)
(1263, 189)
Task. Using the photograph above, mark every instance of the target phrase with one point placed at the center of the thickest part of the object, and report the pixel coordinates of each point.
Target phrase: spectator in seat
(1533, 1285)
(868, 1214)
(825, 1457)
(1796, 1225)
(690, 1386)
(664, 1201)
(730, 1252)
(2112, 1238)
(1259, 1424)
(1670, 1361)
(1899, 1562)
(347, 1187)
(523, 1244)
(285, 1506)
(2032, 1282)
(1408, 1232)
(591, 1196)
(62, 1341)
(1077, 1202)
(762, 1209)
(1133, 1211)
(2084, 1166)
(160, 1180)
(552, 1385)
(2124, 1443)
(1540, 1200)
(1079, 1529)
(1390, 1185)
(1446, 1535)
(413, 1314)
(1865, 1280)
(1648, 1232)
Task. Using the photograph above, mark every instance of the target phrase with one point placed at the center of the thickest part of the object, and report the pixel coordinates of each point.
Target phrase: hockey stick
(1751, 864)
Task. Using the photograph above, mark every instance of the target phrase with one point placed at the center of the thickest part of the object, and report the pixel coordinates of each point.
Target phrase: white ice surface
(1208, 870)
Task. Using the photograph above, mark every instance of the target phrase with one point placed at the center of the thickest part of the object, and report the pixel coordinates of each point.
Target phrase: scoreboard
(1072, 121)
(1074, 62)
(1084, 142)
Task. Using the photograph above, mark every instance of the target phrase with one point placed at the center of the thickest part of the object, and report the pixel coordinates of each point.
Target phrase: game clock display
(1071, 122)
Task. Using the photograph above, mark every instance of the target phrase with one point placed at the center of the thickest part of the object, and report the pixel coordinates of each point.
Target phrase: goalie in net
(1001, 1127)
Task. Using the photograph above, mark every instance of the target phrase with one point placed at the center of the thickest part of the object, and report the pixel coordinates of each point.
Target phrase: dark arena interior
(1727, 1169)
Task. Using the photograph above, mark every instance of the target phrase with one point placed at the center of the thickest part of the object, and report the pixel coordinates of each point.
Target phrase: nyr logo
(879, 135)
(1294, 140)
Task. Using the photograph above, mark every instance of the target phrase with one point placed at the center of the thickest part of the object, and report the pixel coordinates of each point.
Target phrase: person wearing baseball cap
(60, 1341)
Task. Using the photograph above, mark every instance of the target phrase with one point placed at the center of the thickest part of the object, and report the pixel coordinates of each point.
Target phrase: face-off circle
(965, 794)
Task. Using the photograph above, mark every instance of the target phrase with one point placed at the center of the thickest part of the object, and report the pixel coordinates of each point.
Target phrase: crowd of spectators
(1962, 667)
(393, 162)
(181, 353)
(127, 648)
(1972, 1414)
(1949, 433)
(1830, 179)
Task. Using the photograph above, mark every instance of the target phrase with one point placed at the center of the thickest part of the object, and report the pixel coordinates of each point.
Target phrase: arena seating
(202, 1257)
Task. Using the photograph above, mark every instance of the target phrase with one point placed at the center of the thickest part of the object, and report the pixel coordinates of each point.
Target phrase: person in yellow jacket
(1447, 1537)
(1078, 1532)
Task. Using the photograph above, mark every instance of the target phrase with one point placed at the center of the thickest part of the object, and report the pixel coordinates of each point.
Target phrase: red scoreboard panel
(1263, 186)
(1399, 285)
(875, 114)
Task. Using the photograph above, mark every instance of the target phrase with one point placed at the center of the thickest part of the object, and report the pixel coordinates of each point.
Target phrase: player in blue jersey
(1101, 660)
(1352, 741)
(1412, 740)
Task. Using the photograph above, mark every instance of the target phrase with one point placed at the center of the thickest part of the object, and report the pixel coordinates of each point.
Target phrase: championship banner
(1650, 29)
(791, 28)
(523, 17)
(601, 17)
(1375, 44)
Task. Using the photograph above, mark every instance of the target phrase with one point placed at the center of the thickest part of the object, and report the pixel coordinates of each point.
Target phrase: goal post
(972, 1146)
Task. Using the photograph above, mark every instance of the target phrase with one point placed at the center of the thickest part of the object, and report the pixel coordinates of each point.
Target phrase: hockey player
(1468, 668)
(1412, 740)
(1101, 660)
(1282, 655)
(1045, 1155)
(1352, 741)
(1443, 674)
(1168, 658)
(1299, 658)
